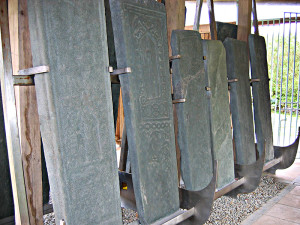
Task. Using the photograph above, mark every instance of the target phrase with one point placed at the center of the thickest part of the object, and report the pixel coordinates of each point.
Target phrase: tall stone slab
(240, 100)
(215, 71)
(261, 95)
(141, 43)
(189, 83)
(75, 109)
(6, 196)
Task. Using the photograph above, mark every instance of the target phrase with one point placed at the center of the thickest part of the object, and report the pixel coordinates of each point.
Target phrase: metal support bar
(33, 71)
(119, 71)
(254, 80)
(181, 100)
(173, 57)
(233, 80)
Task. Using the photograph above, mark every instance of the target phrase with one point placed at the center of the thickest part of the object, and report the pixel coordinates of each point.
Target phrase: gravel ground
(226, 210)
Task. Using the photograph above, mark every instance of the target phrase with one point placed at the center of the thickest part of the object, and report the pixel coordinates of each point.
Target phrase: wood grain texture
(244, 20)
(14, 31)
(120, 121)
(11, 122)
(29, 126)
(175, 17)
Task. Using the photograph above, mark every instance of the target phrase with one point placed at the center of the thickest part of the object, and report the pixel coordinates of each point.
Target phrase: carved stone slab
(225, 30)
(6, 196)
(141, 44)
(261, 95)
(240, 100)
(215, 71)
(75, 109)
(189, 83)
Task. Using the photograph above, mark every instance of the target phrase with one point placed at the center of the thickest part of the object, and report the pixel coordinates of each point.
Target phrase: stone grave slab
(6, 196)
(215, 71)
(189, 83)
(225, 30)
(261, 95)
(240, 100)
(141, 44)
(75, 109)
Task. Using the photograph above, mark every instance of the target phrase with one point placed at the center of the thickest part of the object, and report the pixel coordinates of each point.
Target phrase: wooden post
(11, 122)
(29, 125)
(175, 20)
(244, 20)
(175, 17)
(212, 21)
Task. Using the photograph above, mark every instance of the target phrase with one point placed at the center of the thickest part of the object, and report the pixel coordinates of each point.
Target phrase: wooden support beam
(11, 122)
(244, 20)
(29, 125)
(212, 21)
(175, 17)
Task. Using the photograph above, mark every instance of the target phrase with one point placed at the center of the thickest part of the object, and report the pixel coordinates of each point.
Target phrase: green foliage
(287, 71)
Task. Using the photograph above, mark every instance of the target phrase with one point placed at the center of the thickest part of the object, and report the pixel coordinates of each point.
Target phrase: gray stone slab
(141, 44)
(75, 109)
(225, 30)
(193, 133)
(261, 96)
(240, 100)
(6, 196)
(215, 70)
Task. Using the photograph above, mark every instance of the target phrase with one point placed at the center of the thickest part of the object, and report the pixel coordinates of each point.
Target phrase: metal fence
(283, 49)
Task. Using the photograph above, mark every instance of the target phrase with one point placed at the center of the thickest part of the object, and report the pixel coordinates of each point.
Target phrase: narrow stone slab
(141, 43)
(261, 95)
(240, 100)
(215, 71)
(225, 30)
(75, 109)
(189, 83)
(6, 196)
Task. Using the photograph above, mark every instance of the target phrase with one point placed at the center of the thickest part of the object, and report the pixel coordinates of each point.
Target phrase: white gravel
(226, 210)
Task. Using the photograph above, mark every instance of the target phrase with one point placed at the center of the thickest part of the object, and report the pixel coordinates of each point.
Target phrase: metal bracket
(254, 80)
(33, 71)
(24, 77)
(207, 88)
(119, 71)
(233, 80)
(173, 57)
(180, 100)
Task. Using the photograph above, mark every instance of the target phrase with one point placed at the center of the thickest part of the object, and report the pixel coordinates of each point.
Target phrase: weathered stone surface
(261, 95)
(240, 100)
(75, 109)
(225, 30)
(6, 197)
(141, 44)
(110, 42)
(189, 83)
(215, 71)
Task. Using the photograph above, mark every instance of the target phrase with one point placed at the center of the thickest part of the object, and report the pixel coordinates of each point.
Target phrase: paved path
(283, 209)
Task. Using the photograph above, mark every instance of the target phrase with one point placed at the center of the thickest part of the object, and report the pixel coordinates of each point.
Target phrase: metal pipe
(272, 59)
(293, 86)
(281, 80)
(297, 92)
(277, 72)
(287, 77)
